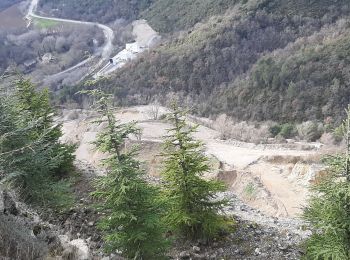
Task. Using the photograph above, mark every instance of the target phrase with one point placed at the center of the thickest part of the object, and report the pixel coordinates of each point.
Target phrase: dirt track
(107, 31)
(275, 195)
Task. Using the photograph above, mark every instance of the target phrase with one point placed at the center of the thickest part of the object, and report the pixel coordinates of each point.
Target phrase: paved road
(107, 31)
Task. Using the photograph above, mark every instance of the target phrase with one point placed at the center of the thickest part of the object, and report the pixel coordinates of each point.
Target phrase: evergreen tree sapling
(329, 209)
(132, 223)
(193, 210)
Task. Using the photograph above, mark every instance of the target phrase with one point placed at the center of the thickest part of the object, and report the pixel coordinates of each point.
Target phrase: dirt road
(145, 37)
(279, 195)
(107, 31)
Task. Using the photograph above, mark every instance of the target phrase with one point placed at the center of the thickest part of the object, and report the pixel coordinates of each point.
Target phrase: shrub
(338, 133)
(250, 190)
(242, 131)
(153, 111)
(275, 130)
(287, 130)
(327, 139)
(309, 131)
(225, 126)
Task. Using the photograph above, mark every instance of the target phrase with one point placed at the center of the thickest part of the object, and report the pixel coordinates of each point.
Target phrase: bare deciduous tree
(153, 111)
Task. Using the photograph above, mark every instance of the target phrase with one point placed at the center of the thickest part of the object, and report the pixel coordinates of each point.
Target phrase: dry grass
(242, 131)
(312, 158)
(17, 242)
(11, 18)
(277, 159)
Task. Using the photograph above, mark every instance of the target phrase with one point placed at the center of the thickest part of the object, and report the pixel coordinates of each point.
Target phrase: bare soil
(257, 174)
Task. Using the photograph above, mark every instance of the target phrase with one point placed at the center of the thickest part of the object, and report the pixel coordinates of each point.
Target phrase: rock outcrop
(306, 173)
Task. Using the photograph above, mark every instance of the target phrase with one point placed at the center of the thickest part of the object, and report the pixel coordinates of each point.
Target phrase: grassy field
(11, 18)
(44, 24)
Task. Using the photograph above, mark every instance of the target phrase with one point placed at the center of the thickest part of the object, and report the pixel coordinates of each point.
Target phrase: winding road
(107, 31)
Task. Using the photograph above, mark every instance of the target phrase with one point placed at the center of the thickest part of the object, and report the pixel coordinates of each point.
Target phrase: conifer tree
(132, 223)
(35, 105)
(30, 152)
(329, 208)
(193, 210)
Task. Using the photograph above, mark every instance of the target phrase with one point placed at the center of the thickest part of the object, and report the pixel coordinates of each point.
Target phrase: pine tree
(193, 209)
(35, 105)
(132, 224)
(329, 208)
(31, 154)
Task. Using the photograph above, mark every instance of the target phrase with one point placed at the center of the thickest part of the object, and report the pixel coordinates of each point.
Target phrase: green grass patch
(44, 23)
(250, 190)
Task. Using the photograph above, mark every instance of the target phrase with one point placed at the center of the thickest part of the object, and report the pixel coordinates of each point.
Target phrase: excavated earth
(273, 178)
(267, 184)
(267, 188)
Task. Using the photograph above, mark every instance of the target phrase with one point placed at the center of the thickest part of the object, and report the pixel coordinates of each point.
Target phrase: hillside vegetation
(252, 61)
(25, 50)
(311, 8)
(103, 11)
(169, 15)
(307, 80)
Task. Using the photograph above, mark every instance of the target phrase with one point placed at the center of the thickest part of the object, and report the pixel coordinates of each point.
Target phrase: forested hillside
(103, 11)
(307, 80)
(169, 16)
(251, 61)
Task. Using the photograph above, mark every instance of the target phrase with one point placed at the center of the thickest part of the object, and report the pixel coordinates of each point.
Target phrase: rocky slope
(73, 234)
